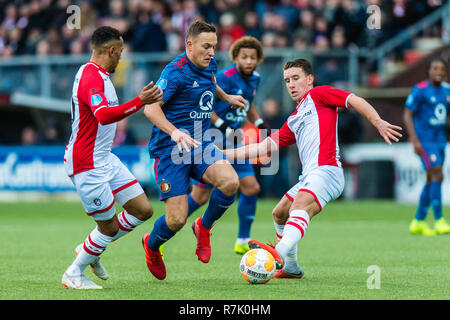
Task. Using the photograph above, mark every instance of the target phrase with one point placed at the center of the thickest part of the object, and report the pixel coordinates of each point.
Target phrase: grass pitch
(341, 244)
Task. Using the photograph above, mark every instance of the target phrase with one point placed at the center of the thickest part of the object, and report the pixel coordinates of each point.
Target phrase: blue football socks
(192, 205)
(424, 203)
(218, 204)
(436, 199)
(246, 213)
(160, 233)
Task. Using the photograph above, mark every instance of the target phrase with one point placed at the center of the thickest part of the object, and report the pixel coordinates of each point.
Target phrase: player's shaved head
(104, 37)
(199, 27)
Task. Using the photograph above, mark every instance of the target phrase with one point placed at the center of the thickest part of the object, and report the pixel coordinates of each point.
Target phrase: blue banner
(41, 168)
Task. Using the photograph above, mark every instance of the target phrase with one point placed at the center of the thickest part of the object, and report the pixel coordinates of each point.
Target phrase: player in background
(98, 175)
(240, 78)
(425, 119)
(181, 120)
(313, 127)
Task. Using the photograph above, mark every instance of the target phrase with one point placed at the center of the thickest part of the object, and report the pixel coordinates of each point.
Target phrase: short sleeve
(413, 100)
(283, 137)
(168, 83)
(93, 88)
(330, 96)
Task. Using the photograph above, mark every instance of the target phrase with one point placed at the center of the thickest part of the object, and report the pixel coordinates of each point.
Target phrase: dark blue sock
(218, 204)
(192, 205)
(436, 199)
(424, 203)
(246, 213)
(160, 233)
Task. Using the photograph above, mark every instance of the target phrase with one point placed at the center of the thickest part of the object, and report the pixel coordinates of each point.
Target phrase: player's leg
(315, 190)
(280, 214)
(199, 196)
(98, 201)
(225, 180)
(130, 195)
(440, 226)
(249, 188)
(174, 183)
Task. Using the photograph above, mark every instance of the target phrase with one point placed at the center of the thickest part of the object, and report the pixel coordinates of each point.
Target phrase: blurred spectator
(124, 136)
(52, 134)
(229, 31)
(28, 136)
(251, 24)
(149, 36)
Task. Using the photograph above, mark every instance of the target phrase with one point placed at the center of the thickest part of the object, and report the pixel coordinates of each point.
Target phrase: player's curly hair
(247, 42)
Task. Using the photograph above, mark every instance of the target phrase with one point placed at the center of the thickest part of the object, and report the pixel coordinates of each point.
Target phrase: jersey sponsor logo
(206, 104)
(96, 99)
(440, 113)
(161, 83)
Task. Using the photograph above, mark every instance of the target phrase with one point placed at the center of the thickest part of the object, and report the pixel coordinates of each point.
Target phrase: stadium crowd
(38, 27)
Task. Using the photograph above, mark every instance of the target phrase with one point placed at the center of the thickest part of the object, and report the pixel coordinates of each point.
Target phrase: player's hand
(183, 140)
(237, 102)
(418, 149)
(388, 131)
(150, 94)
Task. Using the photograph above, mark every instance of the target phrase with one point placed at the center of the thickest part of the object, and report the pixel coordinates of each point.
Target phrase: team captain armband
(106, 114)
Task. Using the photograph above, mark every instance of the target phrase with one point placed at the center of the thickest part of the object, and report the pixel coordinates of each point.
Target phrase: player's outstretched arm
(155, 114)
(408, 119)
(234, 100)
(251, 151)
(387, 131)
(109, 114)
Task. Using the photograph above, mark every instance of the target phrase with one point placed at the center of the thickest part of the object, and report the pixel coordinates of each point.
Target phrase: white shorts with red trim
(100, 187)
(325, 183)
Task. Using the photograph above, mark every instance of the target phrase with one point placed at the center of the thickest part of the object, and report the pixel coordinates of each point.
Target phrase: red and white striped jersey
(313, 126)
(90, 142)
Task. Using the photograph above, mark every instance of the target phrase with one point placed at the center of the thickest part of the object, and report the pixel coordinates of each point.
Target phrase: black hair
(103, 35)
(433, 60)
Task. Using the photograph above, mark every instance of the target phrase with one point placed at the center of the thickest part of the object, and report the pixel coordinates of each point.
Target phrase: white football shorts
(325, 183)
(100, 187)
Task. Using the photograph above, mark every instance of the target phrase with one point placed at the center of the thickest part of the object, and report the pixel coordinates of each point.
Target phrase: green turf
(38, 240)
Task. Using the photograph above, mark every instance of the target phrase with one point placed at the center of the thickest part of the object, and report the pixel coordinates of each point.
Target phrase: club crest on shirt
(165, 186)
(97, 202)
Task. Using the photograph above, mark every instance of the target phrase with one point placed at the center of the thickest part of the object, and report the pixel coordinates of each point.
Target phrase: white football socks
(127, 223)
(292, 232)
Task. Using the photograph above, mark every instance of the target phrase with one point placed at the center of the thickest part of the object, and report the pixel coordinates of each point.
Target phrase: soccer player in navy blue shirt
(425, 118)
(240, 78)
(182, 149)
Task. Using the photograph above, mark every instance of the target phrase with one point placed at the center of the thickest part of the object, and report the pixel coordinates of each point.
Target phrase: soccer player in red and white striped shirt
(99, 176)
(313, 127)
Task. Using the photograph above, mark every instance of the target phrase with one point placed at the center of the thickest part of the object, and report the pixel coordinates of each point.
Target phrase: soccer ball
(257, 266)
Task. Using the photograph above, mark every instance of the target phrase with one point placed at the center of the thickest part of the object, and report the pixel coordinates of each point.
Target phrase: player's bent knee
(108, 227)
(251, 190)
